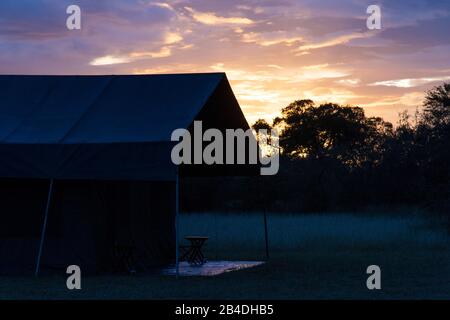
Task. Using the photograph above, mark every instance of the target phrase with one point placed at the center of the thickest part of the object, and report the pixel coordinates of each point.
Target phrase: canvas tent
(85, 162)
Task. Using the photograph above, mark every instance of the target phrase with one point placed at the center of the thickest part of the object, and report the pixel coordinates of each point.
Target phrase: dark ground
(315, 257)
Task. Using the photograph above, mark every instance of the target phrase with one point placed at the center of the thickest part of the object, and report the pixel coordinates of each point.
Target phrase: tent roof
(105, 127)
(100, 109)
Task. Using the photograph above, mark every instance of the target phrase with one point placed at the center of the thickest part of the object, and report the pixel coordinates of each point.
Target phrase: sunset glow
(273, 52)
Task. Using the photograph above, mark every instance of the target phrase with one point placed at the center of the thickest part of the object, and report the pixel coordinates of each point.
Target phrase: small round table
(194, 255)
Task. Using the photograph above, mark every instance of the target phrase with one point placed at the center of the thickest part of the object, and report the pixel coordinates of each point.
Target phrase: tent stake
(177, 249)
(44, 227)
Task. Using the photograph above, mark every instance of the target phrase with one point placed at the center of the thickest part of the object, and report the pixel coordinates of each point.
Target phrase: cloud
(211, 18)
(421, 34)
(334, 41)
(108, 60)
(409, 83)
(275, 66)
(166, 68)
(323, 95)
(349, 82)
(315, 66)
(247, 91)
(319, 74)
(172, 38)
(269, 39)
(130, 57)
(161, 53)
(31, 20)
(163, 5)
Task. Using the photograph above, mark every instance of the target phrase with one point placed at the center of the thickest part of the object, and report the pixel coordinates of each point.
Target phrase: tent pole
(265, 234)
(44, 227)
(263, 201)
(177, 249)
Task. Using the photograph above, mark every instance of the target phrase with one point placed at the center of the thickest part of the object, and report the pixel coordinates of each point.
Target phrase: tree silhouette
(264, 137)
(332, 131)
(436, 113)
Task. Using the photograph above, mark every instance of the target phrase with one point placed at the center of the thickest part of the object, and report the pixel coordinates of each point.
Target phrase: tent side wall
(98, 225)
(22, 206)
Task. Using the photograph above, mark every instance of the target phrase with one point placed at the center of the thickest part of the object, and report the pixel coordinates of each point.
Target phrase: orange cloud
(130, 57)
(410, 83)
(211, 18)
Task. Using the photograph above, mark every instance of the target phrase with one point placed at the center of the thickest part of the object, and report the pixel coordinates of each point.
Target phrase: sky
(273, 51)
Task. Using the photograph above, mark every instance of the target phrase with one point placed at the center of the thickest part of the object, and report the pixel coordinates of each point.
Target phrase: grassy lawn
(312, 257)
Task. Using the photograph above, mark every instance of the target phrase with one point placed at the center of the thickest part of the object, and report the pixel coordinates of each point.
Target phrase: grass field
(321, 256)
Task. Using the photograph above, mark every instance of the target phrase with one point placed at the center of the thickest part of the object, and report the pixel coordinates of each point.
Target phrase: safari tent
(86, 176)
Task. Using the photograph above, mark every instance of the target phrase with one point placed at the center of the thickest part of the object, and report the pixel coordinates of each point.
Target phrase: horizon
(272, 52)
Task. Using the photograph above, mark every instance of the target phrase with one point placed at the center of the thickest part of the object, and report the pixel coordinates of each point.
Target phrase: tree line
(334, 157)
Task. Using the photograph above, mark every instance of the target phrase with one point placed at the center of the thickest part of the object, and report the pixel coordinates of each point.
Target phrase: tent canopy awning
(105, 127)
